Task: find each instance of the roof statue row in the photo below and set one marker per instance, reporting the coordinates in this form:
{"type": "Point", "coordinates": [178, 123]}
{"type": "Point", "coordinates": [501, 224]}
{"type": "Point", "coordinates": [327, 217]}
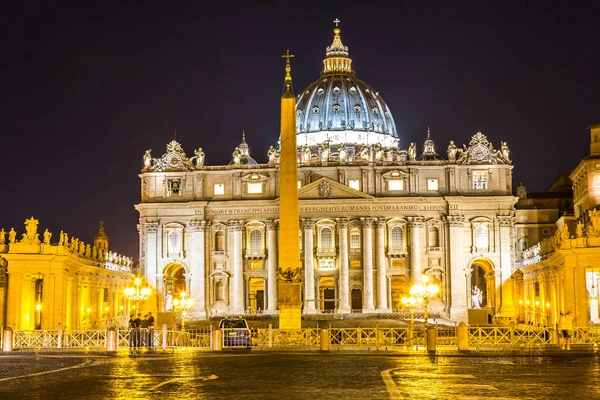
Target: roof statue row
{"type": "Point", "coordinates": [479, 151]}
{"type": "Point", "coordinates": [76, 247]}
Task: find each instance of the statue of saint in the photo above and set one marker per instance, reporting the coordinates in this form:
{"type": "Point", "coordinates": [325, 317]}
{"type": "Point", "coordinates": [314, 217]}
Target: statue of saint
{"type": "Point", "coordinates": [452, 151]}
{"type": "Point", "coordinates": [364, 153]}
{"type": "Point", "coordinates": [12, 235]}
{"type": "Point", "coordinates": [81, 248]}
{"type": "Point", "coordinates": [66, 241]}
{"type": "Point", "coordinates": [412, 152]}
{"type": "Point", "coordinates": [88, 251]}
{"type": "Point", "coordinates": [47, 236]}
{"type": "Point", "coordinates": [378, 153]}
{"type": "Point", "coordinates": [61, 238]}
{"type": "Point", "coordinates": [579, 230]}
{"type": "Point", "coordinates": [271, 155]}
{"type": "Point", "coordinates": [169, 301]}
{"type": "Point", "coordinates": [31, 226]}
{"type": "Point", "coordinates": [342, 153]}
{"type": "Point", "coordinates": [199, 157]}
{"type": "Point", "coordinates": [236, 156]}
{"type": "Point", "coordinates": [95, 253]}
{"type": "Point", "coordinates": [306, 155]}
{"type": "Point", "coordinates": [147, 159]}
{"type": "Point", "coordinates": [476, 297]}
{"type": "Point", "coordinates": [2, 236]}
{"type": "Point", "coordinates": [505, 151]}
{"type": "Point", "coordinates": [325, 152]}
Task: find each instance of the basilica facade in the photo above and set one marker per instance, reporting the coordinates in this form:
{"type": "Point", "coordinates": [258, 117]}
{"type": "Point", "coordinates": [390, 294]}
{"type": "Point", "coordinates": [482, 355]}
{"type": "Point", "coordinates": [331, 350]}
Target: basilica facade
{"type": "Point", "coordinates": [374, 217]}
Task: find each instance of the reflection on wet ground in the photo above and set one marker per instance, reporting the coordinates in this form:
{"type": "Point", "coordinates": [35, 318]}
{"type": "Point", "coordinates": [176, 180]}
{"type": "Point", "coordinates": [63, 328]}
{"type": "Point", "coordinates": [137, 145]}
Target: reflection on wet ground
{"type": "Point", "coordinates": [304, 375]}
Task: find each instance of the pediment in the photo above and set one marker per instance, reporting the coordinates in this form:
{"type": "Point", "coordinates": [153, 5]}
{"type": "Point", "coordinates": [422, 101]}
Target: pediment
{"type": "Point", "coordinates": [326, 188]}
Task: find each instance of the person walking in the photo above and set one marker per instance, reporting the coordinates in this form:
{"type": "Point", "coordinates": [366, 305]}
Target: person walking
{"type": "Point", "coordinates": [150, 330]}
{"type": "Point", "coordinates": [561, 330]}
{"type": "Point", "coordinates": [144, 331]}
{"type": "Point", "coordinates": [137, 322]}
{"type": "Point", "coordinates": [132, 327]}
{"type": "Point", "coordinates": [568, 332]}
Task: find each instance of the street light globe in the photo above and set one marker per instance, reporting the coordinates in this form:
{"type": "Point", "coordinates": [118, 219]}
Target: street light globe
{"type": "Point", "coordinates": [138, 281]}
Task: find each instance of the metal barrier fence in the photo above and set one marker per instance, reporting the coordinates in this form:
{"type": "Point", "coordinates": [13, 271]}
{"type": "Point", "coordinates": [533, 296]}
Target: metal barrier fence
{"type": "Point", "coordinates": [406, 338]}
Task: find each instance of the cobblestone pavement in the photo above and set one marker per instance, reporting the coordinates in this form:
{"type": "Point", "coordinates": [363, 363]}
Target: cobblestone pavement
{"type": "Point", "coordinates": [301, 375]}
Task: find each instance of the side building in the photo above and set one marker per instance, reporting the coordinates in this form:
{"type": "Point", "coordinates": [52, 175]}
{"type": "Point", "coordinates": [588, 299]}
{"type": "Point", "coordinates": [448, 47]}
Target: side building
{"type": "Point", "coordinates": [374, 218]}
{"type": "Point", "coordinates": [44, 284]}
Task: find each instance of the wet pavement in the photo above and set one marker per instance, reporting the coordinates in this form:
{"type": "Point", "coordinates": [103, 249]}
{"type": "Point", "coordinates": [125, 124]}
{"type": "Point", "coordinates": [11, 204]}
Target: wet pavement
{"type": "Point", "coordinates": [298, 375]}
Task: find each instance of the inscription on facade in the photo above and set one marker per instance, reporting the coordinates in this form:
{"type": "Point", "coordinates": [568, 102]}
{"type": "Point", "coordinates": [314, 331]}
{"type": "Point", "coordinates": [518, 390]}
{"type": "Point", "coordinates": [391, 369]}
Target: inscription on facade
{"type": "Point", "coordinates": [329, 208]}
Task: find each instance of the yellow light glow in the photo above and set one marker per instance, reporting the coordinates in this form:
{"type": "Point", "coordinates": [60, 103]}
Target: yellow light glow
{"type": "Point", "coordinates": [89, 310]}
{"type": "Point", "coordinates": [38, 307]}
{"type": "Point", "coordinates": [138, 281]}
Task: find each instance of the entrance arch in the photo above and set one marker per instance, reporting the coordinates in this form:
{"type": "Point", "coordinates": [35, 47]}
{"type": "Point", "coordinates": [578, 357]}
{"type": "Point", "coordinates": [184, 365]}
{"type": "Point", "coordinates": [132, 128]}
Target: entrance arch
{"type": "Point", "coordinates": [174, 281]}
{"type": "Point", "coordinates": [483, 279]}
{"type": "Point", "coordinates": [327, 294]}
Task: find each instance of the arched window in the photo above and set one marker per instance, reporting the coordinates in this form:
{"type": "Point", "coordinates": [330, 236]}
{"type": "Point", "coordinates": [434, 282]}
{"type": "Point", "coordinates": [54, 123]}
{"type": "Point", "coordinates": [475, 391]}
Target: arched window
{"type": "Point", "coordinates": [396, 240]}
{"type": "Point", "coordinates": [481, 237]}
{"type": "Point", "coordinates": [256, 240]}
{"type": "Point", "coordinates": [355, 239]}
{"type": "Point", "coordinates": [174, 246]}
{"type": "Point", "coordinates": [326, 241]}
{"type": "Point", "coordinates": [220, 241]}
{"type": "Point", "coordinates": [434, 237]}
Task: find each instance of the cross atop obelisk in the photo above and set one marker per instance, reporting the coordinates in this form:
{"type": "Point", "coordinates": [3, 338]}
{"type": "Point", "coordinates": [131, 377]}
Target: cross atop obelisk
{"type": "Point", "coordinates": [336, 22]}
{"type": "Point", "coordinates": [288, 69]}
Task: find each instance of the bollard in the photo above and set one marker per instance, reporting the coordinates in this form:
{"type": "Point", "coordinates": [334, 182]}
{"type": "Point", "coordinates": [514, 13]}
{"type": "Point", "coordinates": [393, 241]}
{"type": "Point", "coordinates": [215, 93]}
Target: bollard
{"type": "Point", "coordinates": [270, 335]}
{"type": "Point", "coordinates": [463, 337]}
{"type": "Point", "coordinates": [111, 340]}
{"type": "Point", "coordinates": [324, 340]}
{"type": "Point", "coordinates": [7, 343]}
{"type": "Point", "coordinates": [164, 336]}
{"type": "Point", "coordinates": [431, 339]}
{"type": "Point", "coordinates": [217, 340]}
{"type": "Point", "coordinates": [411, 336]}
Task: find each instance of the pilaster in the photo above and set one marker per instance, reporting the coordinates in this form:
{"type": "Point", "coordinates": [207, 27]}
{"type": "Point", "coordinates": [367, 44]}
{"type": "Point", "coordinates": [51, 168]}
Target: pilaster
{"type": "Point", "coordinates": [344, 285]}
{"type": "Point", "coordinates": [382, 296]}
{"type": "Point", "coordinates": [272, 266]}
{"type": "Point", "coordinates": [367, 224]}
{"type": "Point", "coordinates": [458, 271]}
{"type": "Point", "coordinates": [309, 274]}
{"type": "Point", "coordinates": [196, 258]}
{"type": "Point", "coordinates": [238, 266]}
{"type": "Point", "coordinates": [416, 227]}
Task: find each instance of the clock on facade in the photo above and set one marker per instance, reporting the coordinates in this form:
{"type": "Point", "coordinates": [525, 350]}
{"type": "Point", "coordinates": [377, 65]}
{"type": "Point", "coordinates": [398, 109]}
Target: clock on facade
{"type": "Point", "coordinates": [479, 152]}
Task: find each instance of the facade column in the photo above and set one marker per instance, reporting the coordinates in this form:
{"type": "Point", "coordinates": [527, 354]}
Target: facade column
{"type": "Point", "coordinates": [459, 290]}
{"type": "Point", "coordinates": [149, 256]}
{"type": "Point", "coordinates": [238, 267]}
{"type": "Point", "coordinates": [195, 253]}
{"type": "Point", "coordinates": [367, 224]}
{"type": "Point", "coordinates": [344, 284]}
{"type": "Point", "coordinates": [382, 288]}
{"type": "Point", "coordinates": [272, 266]}
{"type": "Point", "coordinates": [507, 306]}
{"type": "Point", "coordinates": [416, 227]}
{"type": "Point", "coordinates": [309, 273]}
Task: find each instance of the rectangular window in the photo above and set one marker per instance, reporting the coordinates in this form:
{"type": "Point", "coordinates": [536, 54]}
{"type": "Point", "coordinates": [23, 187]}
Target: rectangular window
{"type": "Point", "coordinates": [355, 240]}
{"type": "Point", "coordinates": [546, 232]}
{"type": "Point", "coordinates": [255, 187]}
{"type": "Point", "coordinates": [432, 184]}
{"type": "Point", "coordinates": [354, 184]}
{"type": "Point", "coordinates": [480, 180]}
{"type": "Point", "coordinates": [174, 187]}
{"type": "Point", "coordinates": [219, 189]}
{"type": "Point", "coordinates": [396, 184]}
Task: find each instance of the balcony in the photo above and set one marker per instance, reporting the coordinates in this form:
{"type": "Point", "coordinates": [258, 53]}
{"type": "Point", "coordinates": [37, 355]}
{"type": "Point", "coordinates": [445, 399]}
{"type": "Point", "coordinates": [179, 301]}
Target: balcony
{"type": "Point", "coordinates": [326, 252]}
{"type": "Point", "coordinates": [255, 254]}
{"type": "Point", "coordinates": [397, 252]}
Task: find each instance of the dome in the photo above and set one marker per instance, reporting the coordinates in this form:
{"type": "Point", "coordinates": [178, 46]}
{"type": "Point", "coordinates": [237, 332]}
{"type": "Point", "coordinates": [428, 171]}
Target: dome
{"type": "Point", "coordinates": [241, 155]}
{"type": "Point", "coordinates": [340, 108]}
{"type": "Point", "coordinates": [429, 153]}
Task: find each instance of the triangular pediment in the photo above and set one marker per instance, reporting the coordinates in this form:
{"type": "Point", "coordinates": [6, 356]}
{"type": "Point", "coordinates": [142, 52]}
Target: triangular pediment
{"type": "Point", "coordinates": [326, 188]}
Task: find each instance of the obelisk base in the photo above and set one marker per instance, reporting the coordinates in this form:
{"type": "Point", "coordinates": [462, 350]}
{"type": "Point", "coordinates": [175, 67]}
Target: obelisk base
{"type": "Point", "coordinates": [290, 305]}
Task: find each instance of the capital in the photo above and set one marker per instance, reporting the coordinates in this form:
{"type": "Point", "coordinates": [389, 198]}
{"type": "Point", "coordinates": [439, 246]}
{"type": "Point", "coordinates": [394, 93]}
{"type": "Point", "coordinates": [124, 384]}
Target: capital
{"type": "Point", "coordinates": [455, 220]}
{"type": "Point", "coordinates": [152, 227]}
{"type": "Point", "coordinates": [342, 223]}
{"type": "Point", "coordinates": [308, 223]}
{"type": "Point", "coordinates": [381, 223]}
{"type": "Point", "coordinates": [271, 223]}
{"type": "Point", "coordinates": [235, 225]}
{"type": "Point", "coordinates": [416, 221]}
{"type": "Point", "coordinates": [367, 222]}
{"type": "Point", "coordinates": [196, 226]}
{"type": "Point", "coordinates": [506, 220]}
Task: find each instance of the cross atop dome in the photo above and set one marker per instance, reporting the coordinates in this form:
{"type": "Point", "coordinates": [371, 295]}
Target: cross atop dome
{"type": "Point", "coordinates": [336, 56]}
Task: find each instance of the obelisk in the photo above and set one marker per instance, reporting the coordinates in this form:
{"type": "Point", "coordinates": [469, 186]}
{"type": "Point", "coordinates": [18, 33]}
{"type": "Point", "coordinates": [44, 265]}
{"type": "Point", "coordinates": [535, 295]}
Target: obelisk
{"type": "Point", "coordinates": [289, 276]}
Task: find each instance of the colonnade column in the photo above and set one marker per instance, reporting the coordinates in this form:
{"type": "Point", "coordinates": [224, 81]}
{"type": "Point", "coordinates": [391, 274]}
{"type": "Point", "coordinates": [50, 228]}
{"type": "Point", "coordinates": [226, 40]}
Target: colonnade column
{"type": "Point", "coordinates": [416, 225]}
{"type": "Point", "coordinates": [458, 271]}
{"type": "Point", "coordinates": [195, 253]}
{"type": "Point", "coordinates": [382, 290]}
{"type": "Point", "coordinates": [344, 284]}
{"type": "Point", "coordinates": [150, 253]}
{"type": "Point", "coordinates": [238, 267]}
{"type": "Point", "coordinates": [309, 274]}
{"type": "Point", "coordinates": [367, 224]}
{"type": "Point", "coordinates": [271, 266]}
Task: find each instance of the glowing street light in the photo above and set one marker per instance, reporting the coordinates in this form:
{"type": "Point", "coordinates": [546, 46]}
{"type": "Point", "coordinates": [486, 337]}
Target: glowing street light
{"type": "Point", "coordinates": [424, 292]}
{"type": "Point", "coordinates": [183, 304]}
{"type": "Point", "coordinates": [137, 293]}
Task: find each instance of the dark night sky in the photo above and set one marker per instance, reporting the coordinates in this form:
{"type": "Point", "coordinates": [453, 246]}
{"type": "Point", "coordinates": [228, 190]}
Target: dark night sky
{"type": "Point", "coordinates": [87, 88]}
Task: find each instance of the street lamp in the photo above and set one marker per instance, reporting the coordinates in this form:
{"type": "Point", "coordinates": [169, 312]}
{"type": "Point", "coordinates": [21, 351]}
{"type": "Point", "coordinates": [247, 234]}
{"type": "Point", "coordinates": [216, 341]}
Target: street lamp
{"type": "Point", "coordinates": [411, 302]}
{"type": "Point", "coordinates": [183, 304]}
{"type": "Point", "coordinates": [424, 292]}
{"type": "Point", "coordinates": [137, 293]}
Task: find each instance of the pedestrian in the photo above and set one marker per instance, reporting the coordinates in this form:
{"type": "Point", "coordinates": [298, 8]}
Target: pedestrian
{"type": "Point", "coordinates": [561, 330]}
{"type": "Point", "coordinates": [568, 329]}
{"type": "Point", "coordinates": [150, 330]}
{"type": "Point", "coordinates": [131, 331]}
{"type": "Point", "coordinates": [144, 330]}
{"type": "Point", "coordinates": [137, 322]}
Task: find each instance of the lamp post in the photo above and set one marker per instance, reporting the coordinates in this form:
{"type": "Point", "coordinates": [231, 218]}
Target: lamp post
{"type": "Point", "coordinates": [183, 304]}
{"type": "Point", "coordinates": [424, 291]}
{"type": "Point", "coordinates": [137, 293]}
{"type": "Point", "coordinates": [411, 302]}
